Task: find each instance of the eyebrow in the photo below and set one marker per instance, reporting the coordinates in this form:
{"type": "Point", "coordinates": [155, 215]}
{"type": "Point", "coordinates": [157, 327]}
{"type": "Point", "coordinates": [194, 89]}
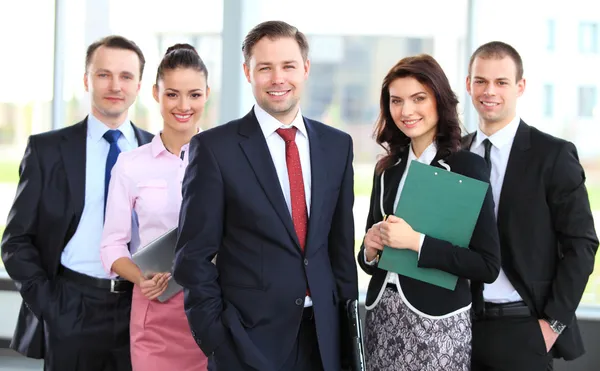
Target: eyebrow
{"type": "Point", "coordinates": [483, 78]}
{"type": "Point", "coordinates": [412, 96]}
{"type": "Point", "coordinates": [100, 70]}
{"type": "Point", "coordinates": [191, 91]}
{"type": "Point", "coordinates": [270, 63]}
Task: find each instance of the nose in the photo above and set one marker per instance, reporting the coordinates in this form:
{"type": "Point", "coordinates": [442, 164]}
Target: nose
{"type": "Point", "coordinates": [407, 109]}
{"type": "Point", "coordinates": [183, 104]}
{"type": "Point", "coordinates": [115, 85]}
{"type": "Point", "coordinates": [277, 76]}
{"type": "Point", "coordinates": [490, 90]}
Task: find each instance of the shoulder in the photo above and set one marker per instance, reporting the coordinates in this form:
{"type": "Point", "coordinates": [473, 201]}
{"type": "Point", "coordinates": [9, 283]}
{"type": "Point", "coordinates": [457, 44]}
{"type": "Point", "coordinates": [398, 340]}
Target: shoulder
{"type": "Point", "coordinates": [137, 158]}
{"type": "Point", "coordinates": [546, 142]}
{"type": "Point", "coordinates": [330, 133]}
{"type": "Point", "coordinates": [469, 164]}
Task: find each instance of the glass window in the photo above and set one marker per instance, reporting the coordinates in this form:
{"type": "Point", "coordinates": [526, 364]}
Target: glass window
{"type": "Point", "coordinates": [26, 71]}
{"type": "Point", "coordinates": [587, 101]}
{"type": "Point", "coordinates": [551, 35]}
{"type": "Point", "coordinates": [548, 100]}
{"type": "Point", "coordinates": [588, 37]}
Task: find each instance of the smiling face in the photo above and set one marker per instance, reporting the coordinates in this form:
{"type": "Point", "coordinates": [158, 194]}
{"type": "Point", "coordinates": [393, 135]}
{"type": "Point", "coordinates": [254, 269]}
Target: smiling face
{"type": "Point", "coordinates": [113, 81]}
{"type": "Point", "coordinates": [413, 109]}
{"type": "Point", "coordinates": [277, 73]}
{"type": "Point", "coordinates": [182, 95]}
{"type": "Point", "coordinates": [494, 90]}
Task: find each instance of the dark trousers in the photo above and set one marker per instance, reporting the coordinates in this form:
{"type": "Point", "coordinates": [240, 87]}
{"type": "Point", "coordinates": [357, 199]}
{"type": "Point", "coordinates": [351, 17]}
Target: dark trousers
{"type": "Point", "coordinates": [87, 329]}
{"type": "Point", "coordinates": [509, 344]}
{"type": "Point", "coordinates": [305, 355]}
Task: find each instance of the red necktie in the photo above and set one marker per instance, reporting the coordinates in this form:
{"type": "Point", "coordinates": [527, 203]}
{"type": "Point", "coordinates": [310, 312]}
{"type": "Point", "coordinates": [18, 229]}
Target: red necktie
{"type": "Point", "coordinates": [298, 199]}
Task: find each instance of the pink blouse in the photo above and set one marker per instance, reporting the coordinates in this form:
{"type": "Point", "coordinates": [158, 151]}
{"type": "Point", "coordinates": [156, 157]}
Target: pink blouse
{"type": "Point", "coordinates": [146, 180]}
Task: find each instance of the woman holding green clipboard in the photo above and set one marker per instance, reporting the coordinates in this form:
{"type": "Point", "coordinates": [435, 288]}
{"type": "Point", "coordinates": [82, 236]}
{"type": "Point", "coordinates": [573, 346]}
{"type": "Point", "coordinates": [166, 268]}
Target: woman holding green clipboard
{"type": "Point", "coordinates": [412, 324]}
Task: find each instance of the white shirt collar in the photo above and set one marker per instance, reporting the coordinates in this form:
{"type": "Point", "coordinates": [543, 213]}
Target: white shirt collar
{"type": "Point", "coordinates": [500, 138]}
{"type": "Point", "coordinates": [269, 124]}
{"type": "Point", "coordinates": [426, 157]}
{"type": "Point", "coordinates": [97, 128]}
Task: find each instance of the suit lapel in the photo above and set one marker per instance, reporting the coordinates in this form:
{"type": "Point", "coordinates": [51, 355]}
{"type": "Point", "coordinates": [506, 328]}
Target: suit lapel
{"type": "Point", "coordinates": [318, 177]}
{"type": "Point", "coordinates": [391, 181]}
{"type": "Point", "coordinates": [73, 153]}
{"type": "Point", "coordinates": [143, 137]}
{"type": "Point", "coordinates": [257, 152]}
{"type": "Point", "coordinates": [516, 170]}
{"type": "Point", "coordinates": [467, 141]}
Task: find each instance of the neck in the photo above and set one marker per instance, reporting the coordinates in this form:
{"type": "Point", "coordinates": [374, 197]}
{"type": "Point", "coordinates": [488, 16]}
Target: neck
{"type": "Point", "coordinates": [174, 140]}
{"type": "Point", "coordinates": [420, 144]}
{"type": "Point", "coordinates": [288, 117]}
{"type": "Point", "coordinates": [489, 128]}
{"type": "Point", "coordinates": [112, 122]}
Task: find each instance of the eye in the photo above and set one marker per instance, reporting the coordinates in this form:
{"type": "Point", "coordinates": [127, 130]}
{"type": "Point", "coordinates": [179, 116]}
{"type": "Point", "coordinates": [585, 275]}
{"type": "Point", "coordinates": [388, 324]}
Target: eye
{"type": "Point", "coordinates": [127, 77]}
{"type": "Point", "coordinates": [171, 95]}
{"type": "Point", "coordinates": [289, 67]}
{"type": "Point", "coordinates": [419, 98]}
{"type": "Point", "coordinates": [479, 82]}
{"type": "Point", "coordinates": [395, 101]}
{"type": "Point", "coordinates": [196, 95]}
{"type": "Point", "coordinates": [103, 75]}
{"type": "Point", "coordinates": [264, 69]}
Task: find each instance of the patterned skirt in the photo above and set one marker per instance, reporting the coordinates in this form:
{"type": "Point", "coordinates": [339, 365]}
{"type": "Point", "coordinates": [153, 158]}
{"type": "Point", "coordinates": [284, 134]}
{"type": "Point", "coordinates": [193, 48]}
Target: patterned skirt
{"type": "Point", "coordinates": [398, 339]}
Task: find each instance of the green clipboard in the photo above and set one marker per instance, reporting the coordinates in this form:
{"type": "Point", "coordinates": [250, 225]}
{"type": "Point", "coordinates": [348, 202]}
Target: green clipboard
{"type": "Point", "coordinates": [439, 204]}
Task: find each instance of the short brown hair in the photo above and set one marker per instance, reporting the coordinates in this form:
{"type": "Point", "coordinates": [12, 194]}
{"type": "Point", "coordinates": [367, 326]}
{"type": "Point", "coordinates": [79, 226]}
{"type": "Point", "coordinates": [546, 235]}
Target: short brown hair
{"type": "Point", "coordinates": [498, 50]}
{"type": "Point", "coordinates": [115, 42]}
{"type": "Point", "coordinates": [273, 30]}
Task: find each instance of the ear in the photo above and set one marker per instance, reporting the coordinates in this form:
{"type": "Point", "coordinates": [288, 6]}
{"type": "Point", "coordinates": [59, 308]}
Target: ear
{"type": "Point", "coordinates": [85, 82]}
{"type": "Point", "coordinates": [207, 94]}
{"type": "Point", "coordinates": [468, 83]}
{"type": "Point", "coordinates": [521, 87]}
{"type": "Point", "coordinates": [155, 92]}
{"type": "Point", "coordinates": [306, 68]}
{"type": "Point", "coordinates": [247, 71]}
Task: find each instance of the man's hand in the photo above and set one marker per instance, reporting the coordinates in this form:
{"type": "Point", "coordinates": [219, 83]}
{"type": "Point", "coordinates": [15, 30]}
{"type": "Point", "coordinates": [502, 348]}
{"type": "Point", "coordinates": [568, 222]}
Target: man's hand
{"type": "Point", "coordinates": [397, 233]}
{"type": "Point", "coordinates": [154, 285]}
{"type": "Point", "coordinates": [549, 335]}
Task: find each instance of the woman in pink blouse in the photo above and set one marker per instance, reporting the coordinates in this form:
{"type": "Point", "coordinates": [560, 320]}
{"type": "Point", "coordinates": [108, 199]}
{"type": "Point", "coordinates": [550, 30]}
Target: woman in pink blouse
{"type": "Point", "coordinates": [147, 180]}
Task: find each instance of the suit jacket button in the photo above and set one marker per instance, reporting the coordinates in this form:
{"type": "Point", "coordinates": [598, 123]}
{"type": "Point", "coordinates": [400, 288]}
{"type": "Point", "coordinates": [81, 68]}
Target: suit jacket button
{"type": "Point", "coordinates": [305, 261]}
{"type": "Point", "coordinates": [299, 301]}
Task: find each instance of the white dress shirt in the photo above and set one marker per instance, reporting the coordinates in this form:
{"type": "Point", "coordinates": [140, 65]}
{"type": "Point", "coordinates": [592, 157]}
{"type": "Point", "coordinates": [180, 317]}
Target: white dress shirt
{"type": "Point", "coordinates": [501, 291]}
{"type": "Point", "coordinates": [269, 125]}
{"type": "Point", "coordinates": [82, 252]}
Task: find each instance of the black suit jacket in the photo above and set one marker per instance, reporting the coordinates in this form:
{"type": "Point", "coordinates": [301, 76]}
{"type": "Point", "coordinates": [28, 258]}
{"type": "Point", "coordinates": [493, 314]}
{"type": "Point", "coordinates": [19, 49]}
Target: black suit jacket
{"type": "Point", "coordinates": [247, 308]}
{"type": "Point", "coordinates": [546, 229]}
{"type": "Point", "coordinates": [480, 262]}
{"type": "Point", "coordinates": [44, 216]}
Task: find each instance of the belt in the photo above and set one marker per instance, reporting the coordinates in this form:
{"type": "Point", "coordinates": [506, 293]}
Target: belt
{"type": "Point", "coordinates": [497, 310]}
{"type": "Point", "coordinates": [114, 286]}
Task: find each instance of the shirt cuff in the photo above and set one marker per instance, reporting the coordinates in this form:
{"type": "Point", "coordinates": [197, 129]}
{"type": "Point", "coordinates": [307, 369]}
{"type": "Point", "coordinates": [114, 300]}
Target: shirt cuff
{"type": "Point", "coordinates": [421, 240]}
{"type": "Point", "coordinates": [372, 262]}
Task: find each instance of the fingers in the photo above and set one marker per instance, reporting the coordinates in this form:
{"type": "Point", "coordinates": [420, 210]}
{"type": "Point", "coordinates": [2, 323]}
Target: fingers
{"type": "Point", "coordinates": [152, 288]}
{"type": "Point", "coordinates": [393, 219]}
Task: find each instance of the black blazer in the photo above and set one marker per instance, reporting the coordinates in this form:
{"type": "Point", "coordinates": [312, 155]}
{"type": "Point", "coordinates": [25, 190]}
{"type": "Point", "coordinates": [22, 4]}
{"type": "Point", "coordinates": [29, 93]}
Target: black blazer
{"type": "Point", "coordinates": [44, 216]}
{"type": "Point", "coordinates": [480, 262]}
{"type": "Point", "coordinates": [247, 308]}
{"type": "Point", "coordinates": [547, 230]}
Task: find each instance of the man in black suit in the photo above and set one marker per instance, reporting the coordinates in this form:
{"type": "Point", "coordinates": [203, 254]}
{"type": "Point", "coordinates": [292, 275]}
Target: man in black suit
{"type": "Point", "coordinates": [271, 194]}
{"type": "Point", "coordinates": [548, 242]}
{"type": "Point", "coordinates": [72, 315]}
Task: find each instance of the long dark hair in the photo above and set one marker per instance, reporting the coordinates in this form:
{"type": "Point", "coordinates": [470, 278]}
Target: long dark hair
{"type": "Point", "coordinates": [428, 72]}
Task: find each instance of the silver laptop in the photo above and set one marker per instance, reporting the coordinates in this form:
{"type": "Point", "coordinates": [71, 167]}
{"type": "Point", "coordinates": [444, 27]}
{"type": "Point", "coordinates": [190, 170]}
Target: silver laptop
{"type": "Point", "coordinates": [158, 257]}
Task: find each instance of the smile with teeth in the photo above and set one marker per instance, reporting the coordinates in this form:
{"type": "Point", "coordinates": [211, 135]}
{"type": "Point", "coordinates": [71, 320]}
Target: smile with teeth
{"type": "Point", "coordinates": [182, 117]}
{"type": "Point", "coordinates": [410, 123]}
{"type": "Point", "coordinates": [489, 104]}
{"type": "Point", "coordinates": [278, 93]}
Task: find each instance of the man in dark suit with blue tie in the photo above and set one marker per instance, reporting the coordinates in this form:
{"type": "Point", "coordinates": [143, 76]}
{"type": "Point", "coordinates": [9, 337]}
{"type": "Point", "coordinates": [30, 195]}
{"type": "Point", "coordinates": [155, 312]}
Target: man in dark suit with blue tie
{"type": "Point", "coordinates": [73, 315]}
{"type": "Point", "coordinates": [272, 195]}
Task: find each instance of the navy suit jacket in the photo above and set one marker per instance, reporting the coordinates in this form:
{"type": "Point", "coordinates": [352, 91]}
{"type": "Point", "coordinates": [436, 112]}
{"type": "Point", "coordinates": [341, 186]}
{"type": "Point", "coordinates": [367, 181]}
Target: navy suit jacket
{"type": "Point", "coordinates": [246, 309]}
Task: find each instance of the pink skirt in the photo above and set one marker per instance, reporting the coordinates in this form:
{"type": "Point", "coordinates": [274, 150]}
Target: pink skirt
{"type": "Point", "coordinates": [160, 336]}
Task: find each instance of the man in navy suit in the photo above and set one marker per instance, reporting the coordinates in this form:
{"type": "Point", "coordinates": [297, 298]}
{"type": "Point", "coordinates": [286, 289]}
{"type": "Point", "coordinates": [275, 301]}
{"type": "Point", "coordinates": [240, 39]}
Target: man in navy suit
{"type": "Point", "coordinates": [272, 195]}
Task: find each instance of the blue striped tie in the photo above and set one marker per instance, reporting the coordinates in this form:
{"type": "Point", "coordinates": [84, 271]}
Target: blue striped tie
{"type": "Point", "coordinates": [111, 136]}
